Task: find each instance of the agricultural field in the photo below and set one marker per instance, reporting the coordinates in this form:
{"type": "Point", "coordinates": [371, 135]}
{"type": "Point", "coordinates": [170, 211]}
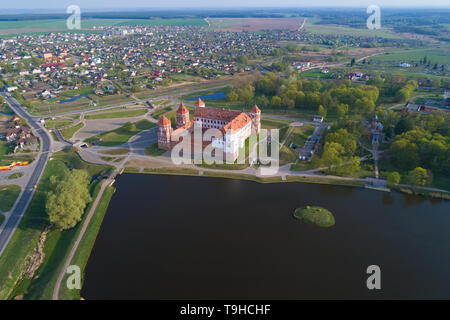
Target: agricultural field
{"type": "Point", "coordinates": [435, 55]}
{"type": "Point", "coordinates": [255, 24]}
{"type": "Point", "coordinates": [346, 31]}
{"type": "Point", "coordinates": [31, 26]}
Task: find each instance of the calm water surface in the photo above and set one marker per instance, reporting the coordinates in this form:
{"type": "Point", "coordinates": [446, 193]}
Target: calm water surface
{"type": "Point", "coordinates": [174, 237]}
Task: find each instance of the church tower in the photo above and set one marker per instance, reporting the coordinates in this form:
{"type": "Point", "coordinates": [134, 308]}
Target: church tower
{"type": "Point", "coordinates": [182, 116]}
{"type": "Point", "coordinates": [199, 103]}
{"type": "Point", "coordinates": [164, 133]}
{"type": "Point", "coordinates": [255, 114]}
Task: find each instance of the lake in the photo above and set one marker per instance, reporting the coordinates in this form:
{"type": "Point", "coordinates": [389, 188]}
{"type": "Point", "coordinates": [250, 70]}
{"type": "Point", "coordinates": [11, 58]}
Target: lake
{"type": "Point", "coordinates": [175, 237]}
{"type": "Point", "coordinates": [211, 96]}
{"type": "Point", "coordinates": [75, 98]}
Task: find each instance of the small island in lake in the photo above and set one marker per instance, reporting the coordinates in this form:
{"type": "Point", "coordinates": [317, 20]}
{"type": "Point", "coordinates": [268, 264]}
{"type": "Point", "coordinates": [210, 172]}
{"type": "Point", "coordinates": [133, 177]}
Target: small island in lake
{"type": "Point", "coordinates": [315, 215]}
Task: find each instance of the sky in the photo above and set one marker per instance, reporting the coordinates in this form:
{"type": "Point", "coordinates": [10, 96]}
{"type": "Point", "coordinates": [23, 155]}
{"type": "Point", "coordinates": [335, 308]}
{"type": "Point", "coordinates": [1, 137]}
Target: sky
{"type": "Point", "coordinates": [94, 4]}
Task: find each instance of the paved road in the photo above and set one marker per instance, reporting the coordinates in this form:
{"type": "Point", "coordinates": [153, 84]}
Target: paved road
{"type": "Point", "coordinates": [26, 195]}
{"type": "Point", "coordinates": [311, 143]}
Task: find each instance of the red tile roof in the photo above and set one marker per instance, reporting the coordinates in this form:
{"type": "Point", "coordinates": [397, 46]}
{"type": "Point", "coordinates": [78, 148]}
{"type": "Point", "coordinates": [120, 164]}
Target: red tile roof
{"type": "Point", "coordinates": [237, 123]}
{"type": "Point", "coordinates": [216, 114]}
{"type": "Point", "coordinates": [255, 109]}
{"type": "Point", "coordinates": [199, 102]}
{"type": "Point", "coordinates": [182, 109]}
{"type": "Point", "coordinates": [164, 121]}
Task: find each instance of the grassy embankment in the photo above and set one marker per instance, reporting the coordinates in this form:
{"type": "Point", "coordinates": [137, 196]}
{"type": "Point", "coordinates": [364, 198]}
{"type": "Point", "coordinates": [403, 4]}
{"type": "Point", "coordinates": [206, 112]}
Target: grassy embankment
{"type": "Point", "coordinates": [15, 258]}
{"type": "Point", "coordinates": [8, 196]}
{"type": "Point", "coordinates": [316, 215]}
{"type": "Point", "coordinates": [119, 114]}
{"type": "Point", "coordinates": [87, 243]}
{"type": "Point", "coordinates": [57, 123]}
{"type": "Point", "coordinates": [120, 151]}
{"type": "Point", "coordinates": [120, 135]}
{"type": "Point", "coordinates": [70, 131]}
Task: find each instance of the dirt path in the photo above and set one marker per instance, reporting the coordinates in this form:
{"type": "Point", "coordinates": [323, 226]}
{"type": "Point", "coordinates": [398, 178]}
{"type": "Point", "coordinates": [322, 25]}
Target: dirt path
{"type": "Point", "coordinates": [74, 249]}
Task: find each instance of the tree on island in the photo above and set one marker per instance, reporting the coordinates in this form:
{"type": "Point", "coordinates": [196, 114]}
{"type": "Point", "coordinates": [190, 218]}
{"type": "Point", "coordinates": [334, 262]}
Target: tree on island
{"type": "Point", "coordinates": [68, 198]}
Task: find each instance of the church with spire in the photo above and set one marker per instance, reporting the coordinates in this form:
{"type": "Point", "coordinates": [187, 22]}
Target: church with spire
{"type": "Point", "coordinates": [235, 126]}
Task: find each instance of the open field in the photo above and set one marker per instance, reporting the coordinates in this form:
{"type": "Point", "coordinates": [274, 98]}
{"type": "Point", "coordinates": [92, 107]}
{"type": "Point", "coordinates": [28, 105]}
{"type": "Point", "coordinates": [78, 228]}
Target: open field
{"type": "Point", "coordinates": [119, 114]}
{"type": "Point", "coordinates": [69, 132]}
{"type": "Point", "coordinates": [120, 135]}
{"type": "Point", "coordinates": [340, 30]}
{"type": "Point", "coordinates": [8, 196]}
{"type": "Point", "coordinates": [435, 55]}
{"type": "Point", "coordinates": [255, 24]}
{"type": "Point", "coordinates": [27, 26]}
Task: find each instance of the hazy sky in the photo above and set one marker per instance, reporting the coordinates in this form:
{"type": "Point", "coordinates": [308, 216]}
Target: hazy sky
{"type": "Point", "coordinates": [60, 4]}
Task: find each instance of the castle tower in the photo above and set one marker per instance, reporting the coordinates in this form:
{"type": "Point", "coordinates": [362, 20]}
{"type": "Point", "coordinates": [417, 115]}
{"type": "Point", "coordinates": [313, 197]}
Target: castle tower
{"type": "Point", "coordinates": [164, 133]}
{"type": "Point", "coordinates": [182, 116]}
{"type": "Point", "coordinates": [255, 114]}
{"type": "Point", "coordinates": [199, 103]}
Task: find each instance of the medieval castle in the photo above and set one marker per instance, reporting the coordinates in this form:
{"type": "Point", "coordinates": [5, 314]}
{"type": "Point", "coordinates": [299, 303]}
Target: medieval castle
{"type": "Point", "coordinates": [235, 126]}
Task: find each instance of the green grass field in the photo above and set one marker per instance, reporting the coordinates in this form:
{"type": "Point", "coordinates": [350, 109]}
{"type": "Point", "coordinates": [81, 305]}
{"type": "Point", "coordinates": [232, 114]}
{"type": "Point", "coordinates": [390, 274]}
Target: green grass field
{"type": "Point", "coordinates": [57, 123]}
{"type": "Point", "coordinates": [435, 55]}
{"type": "Point", "coordinates": [120, 135]}
{"type": "Point", "coordinates": [340, 30]}
{"type": "Point", "coordinates": [70, 131]}
{"type": "Point", "coordinates": [24, 240]}
{"type": "Point", "coordinates": [299, 135]}
{"type": "Point", "coordinates": [2, 219]}
{"type": "Point", "coordinates": [158, 113]}
{"type": "Point", "coordinates": [5, 148]}
{"type": "Point", "coordinates": [119, 114]}
{"type": "Point", "coordinates": [8, 196]}
{"type": "Point", "coordinates": [153, 150]}
{"type": "Point", "coordinates": [120, 151]}
{"type": "Point", "coordinates": [60, 24]}
{"type": "Point", "coordinates": [267, 123]}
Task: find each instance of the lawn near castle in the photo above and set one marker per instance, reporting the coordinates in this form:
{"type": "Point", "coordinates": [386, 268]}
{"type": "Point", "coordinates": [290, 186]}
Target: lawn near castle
{"type": "Point", "coordinates": [120, 135]}
{"type": "Point", "coordinates": [316, 215]}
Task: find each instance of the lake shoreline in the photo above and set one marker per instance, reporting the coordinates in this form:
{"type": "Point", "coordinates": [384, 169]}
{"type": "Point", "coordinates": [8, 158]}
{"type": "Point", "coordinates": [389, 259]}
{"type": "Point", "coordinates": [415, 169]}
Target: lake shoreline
{"type": "Point", "coordinates": [337, 181]}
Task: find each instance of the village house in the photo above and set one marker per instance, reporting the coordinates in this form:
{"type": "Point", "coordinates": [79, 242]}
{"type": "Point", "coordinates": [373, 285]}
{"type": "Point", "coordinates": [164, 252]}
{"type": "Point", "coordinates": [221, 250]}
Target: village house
{"type": "Point", "coordinates": [18, 133]}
